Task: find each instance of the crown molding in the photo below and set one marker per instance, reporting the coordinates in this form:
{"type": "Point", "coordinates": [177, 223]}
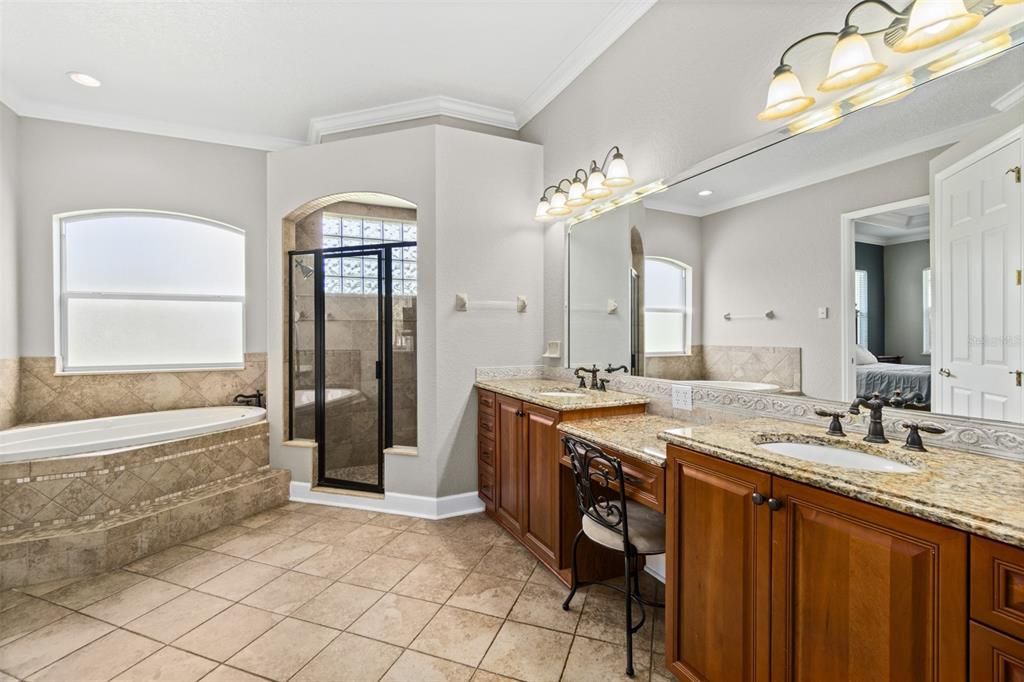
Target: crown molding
{"type": "Point", "coordinates": [407, 111]}
{"type": "Point", "coordinates": [29, 108]}
{"type": "Point", "coordinates": [1009, 99]}
{"type": "Point", "coordinates": [617, 22]}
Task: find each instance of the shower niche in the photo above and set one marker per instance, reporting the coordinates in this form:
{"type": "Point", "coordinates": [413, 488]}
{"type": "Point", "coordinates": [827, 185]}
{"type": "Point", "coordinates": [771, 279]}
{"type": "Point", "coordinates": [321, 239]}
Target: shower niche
{"type": "Point", "coordinates": [352, 339]}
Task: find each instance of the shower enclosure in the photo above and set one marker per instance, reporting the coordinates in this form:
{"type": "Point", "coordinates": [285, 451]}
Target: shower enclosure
{"type": "Point", "coordinates": [351, 350]}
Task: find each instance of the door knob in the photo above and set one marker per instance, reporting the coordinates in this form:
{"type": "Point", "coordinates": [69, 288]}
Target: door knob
{"type": "Point", "coordinates": [945, 372]}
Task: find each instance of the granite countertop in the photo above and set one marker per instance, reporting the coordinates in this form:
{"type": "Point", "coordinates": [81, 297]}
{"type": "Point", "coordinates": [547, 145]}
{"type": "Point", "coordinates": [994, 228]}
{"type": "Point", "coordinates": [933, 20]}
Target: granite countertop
{"type": "Point", "coordinates": [975, 493]}
{"type": "Point", "coordinates": [635, 435]}
{"type": "Point", "coordinates": [530, 390]}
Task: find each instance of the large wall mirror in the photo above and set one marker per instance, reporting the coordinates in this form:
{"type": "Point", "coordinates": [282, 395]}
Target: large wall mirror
{"type": "Point", "coordinates": [880, 253]}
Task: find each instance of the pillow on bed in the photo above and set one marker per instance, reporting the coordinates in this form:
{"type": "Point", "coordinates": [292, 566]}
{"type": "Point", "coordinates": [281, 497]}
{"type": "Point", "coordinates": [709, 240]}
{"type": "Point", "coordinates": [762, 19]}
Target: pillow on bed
{"type": "Point", "coordinates": [864, 356]}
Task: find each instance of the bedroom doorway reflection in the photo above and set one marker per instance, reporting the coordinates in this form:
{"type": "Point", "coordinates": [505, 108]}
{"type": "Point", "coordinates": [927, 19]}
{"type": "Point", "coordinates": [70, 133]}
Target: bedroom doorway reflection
{"type": "Point", "coordinates": [887, 325]}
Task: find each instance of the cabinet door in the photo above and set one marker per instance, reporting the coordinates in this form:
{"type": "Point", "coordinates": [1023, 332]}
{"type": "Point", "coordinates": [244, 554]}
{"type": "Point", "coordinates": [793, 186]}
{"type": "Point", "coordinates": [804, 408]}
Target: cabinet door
{"type": "Point", "coordinates": [717, 625]}
{"type": "Point", "coordinates": [995, 657]}
{"type": "Point", "coordinates": [541, 457]}
{"type": "Point", "coordinates": [864, 593]}
{"type": "Point", "coordinates": [508, 470]}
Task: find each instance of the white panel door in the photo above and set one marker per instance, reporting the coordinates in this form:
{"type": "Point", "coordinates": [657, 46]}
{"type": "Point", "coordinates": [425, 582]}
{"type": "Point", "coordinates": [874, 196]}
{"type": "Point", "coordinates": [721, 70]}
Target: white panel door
{"type": "Point", "coordinates": [981, 311]}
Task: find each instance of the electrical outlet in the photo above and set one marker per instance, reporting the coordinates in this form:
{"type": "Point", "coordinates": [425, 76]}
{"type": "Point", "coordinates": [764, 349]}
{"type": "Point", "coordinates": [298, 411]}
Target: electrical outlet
{"type": "Point", "coordinates": [682, 397]}
{"type": "Point", "coordinates": [823, 313]}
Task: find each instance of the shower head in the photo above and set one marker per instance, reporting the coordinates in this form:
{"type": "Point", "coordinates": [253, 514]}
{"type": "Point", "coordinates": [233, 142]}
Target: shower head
{"type": "Point", "coordinates": [306, 271]}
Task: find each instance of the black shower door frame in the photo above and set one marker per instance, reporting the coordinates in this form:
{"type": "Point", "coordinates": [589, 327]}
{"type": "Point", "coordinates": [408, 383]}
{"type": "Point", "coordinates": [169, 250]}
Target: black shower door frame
{"type": "Point", "coordinates": [385, 332]}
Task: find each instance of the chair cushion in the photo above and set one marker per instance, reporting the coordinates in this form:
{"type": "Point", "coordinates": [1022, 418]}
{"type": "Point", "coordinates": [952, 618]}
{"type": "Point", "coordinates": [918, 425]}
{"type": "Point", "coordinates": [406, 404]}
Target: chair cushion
{"type": "Point", "coordinates": [646, 530]}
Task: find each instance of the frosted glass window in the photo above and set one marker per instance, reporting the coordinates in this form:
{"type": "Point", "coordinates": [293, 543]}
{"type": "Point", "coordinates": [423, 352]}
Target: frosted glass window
{"type": "Point", "coordinates": [148, 291]}
{"type": "Point", "coordinates": [363, 231]}
{"type": "Point", "coordinates": [667, 298]}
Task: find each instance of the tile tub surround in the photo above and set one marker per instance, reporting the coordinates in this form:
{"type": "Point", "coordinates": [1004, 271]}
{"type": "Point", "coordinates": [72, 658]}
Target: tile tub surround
{"type": "Point", "coordinates": [9, 389]}
{"type": "Point", "coordinates": [530, 390]}
{"type": "Point", "coordinates": [977, 494]}
{"type": "Point", "coordinates": [466, 604]}
{"type": "Point", "coordinates": [45, 397]}
{"type": "Point", "coordinates": [637, 436]}
{"type": "Point", "coordinates": [62, 490]}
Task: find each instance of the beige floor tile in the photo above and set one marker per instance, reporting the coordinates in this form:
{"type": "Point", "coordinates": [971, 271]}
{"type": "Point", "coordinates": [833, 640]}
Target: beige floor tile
{"type": "Point", "coordinates": [508, 562]}
{"type": "Point", "coordinates": [590, 659]}
{"type": "Point", "coordinates": [458, 554]}
{"type": "Point", "coordinates": [289, 524]}
{"type": "Point", "coordinates": [414, 546]}
{"type": "Point", "coordinates": [80, 594]}
{"type": "Point", "coordinates": [368, 538]}
{"type": "Point", "coordinates": [37, 650]}
{"type": "Point", "coordinates": [287, 592]}
{"type": "Point", "coordinates": [249, 545]}
{"type": "Point", "coordinates": [329, 531]}
{"type": "Point", "coordinates": [103, 659]}
{"type": "Point", "coordinates": [432, 582]}
{"type": "Point", "coordinates": [442, 527]}
{"type": "Point", "coordinates": [540, 604]}
{"type": "Point", "coordinates": [228, 674]}
{"type": "Point", "coordinates": [604, 618]}
{"type": "Point", "coordinates": [422, 668]}
{"type": "Point", "coordinates": [240, 581]}
{"type": "Point", "coordinates": [129, 604]}
{"type": "Point", "coordinates": [395, 619]}
{"type": "Point", "coordinates": [332, 562]}
{"type": "Point", "coordinates": [161, 561]}
{"type": "Point", "coordinates": [30, 614]}
{"type": "Point", "coordinates": [228, 632]}
{"type": "Point", "coordinates": [284, 649]}
{"type": "Point", "coordinates": [379, 572]}
{"type": "Point", "coordinates": [487, 594]}
{"type": "Point", "coordinates": [339, 605]}
{"type": "Point", "coordinates": [289, 553]}
{"type": "Point", "coordinates": [263, 518]}
{"type": "Point", "coordinates": [458, 635]}
{"type": "Point", "coordinates": [352, 658]}
{"type": "Point", "coordinates": [217, 537]}
{"type": "Point", "coordinates": [528, 653]}
{"type": "Point", "coordinates": [199, 569]}
{"type": "Point", "coordinates": [396, 521]}
{"type": "Point", "coordinates": [168, 665]}
{"type": "Point", "coordinates": [172, 620]}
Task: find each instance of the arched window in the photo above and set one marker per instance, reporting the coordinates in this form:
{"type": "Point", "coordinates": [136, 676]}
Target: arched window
{"type": "Point", "coordinates": [148, 290]}
{"type": "Point", "coordinates": [667, 306]}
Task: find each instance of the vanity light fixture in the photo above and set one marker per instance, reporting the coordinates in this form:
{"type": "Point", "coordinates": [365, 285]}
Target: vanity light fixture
{"type": "Point", "coordinates": [84, 79]}
{"type": "Point", "coordinates": [584, 187]}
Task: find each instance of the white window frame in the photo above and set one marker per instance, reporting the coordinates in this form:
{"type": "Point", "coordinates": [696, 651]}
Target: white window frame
{"type": "Point", "coordinates": [61, 296]}
{"type": "Point", "coordinates": [686, 310]}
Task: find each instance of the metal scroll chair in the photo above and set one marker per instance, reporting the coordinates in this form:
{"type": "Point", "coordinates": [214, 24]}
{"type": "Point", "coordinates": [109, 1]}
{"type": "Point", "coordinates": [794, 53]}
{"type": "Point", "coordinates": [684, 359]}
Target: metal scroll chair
{"type": "Point", "coordinates": [612, 521]}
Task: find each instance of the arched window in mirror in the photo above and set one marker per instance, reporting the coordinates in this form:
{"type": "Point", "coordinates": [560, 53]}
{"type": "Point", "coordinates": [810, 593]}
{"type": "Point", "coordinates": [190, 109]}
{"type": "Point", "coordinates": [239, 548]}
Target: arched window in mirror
{"type": "Point", "coordinates": [667, 307]}
{"type": "Point", "coordinates": [148, 291]}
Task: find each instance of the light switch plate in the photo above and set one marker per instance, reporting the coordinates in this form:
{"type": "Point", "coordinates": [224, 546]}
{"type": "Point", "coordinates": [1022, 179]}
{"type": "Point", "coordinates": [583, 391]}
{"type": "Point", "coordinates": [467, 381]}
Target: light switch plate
{"type": "Point", "coordinates": [682, 397]}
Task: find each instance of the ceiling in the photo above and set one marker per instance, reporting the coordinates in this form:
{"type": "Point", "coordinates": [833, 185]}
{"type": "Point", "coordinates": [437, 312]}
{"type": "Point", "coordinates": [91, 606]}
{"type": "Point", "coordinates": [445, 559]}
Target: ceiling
{"type": "Point", "coordinates": [256, 73]}
{"type": "Point", "coordinates": [901, 225]}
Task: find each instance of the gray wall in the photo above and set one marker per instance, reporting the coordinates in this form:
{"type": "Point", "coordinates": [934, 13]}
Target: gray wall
{"type": "Point", "coordinates": [67, 167]}
{"type": "Point", "coordinates": [904, 313]}
{"type": "Point", "coordinates": [871, 259]}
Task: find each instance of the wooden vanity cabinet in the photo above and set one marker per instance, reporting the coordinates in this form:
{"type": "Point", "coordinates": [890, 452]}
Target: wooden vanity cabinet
{"type": "Point", "coordinates": [797, 583]}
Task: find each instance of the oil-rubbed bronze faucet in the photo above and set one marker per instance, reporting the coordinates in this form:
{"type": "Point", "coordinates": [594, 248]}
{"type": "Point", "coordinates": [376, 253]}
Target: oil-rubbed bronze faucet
{"type": "Point", "coordinates": [876, 430]}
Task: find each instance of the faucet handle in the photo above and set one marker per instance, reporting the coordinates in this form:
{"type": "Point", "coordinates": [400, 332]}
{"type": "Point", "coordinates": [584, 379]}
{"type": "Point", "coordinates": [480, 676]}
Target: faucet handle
{"type": "Point", "coordinates": [835, 427]}
{"type": "Point", "coordinates": [914, 441]}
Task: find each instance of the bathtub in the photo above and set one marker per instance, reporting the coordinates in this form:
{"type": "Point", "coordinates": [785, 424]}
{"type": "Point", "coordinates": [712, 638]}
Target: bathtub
{"type": "Point", "coordinates": [736, 386]}
{"type": "Point", "coordinates": [113, 433]}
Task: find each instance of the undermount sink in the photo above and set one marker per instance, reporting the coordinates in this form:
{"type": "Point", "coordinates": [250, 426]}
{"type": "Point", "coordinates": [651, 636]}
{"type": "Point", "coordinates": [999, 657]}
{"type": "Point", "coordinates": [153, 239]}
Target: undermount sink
{"type": "Point", "coordinates": [838, 457]}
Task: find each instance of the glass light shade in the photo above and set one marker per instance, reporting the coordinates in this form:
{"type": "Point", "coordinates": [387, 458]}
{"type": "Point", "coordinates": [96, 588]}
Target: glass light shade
{"type": "Point", "coordinates": [542, 211]}
{"type": "Point", "coordinates": [936, 21]}
{"type": "Point", "coordinates": [595, 186]}
{"type": "Point", "coordinates": [558, 207]}
{"type": "Point", "coordinates": [618, 173]}
{"type": "Point", "coordinates": [577, 195]}
{"type": "Point", "coordinates": [785, 96]}
{"type": "Point", "coordinates": [852, 63]}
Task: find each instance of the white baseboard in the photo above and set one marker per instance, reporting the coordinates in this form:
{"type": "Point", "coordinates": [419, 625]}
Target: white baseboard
{"type": "Point", "coordinates": [393, 503]}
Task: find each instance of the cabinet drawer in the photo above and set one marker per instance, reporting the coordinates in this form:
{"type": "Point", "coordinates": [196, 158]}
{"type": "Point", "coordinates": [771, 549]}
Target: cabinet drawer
{"type": "Point", "coordinates": [994, 656]}
{"type": "Point", "coordinates": [485, 451]}
{"type": "Point", "coordinates": [487, 424]}
{"type": "Point", "coordinates": [486, 401]}
{"type": "Point", "coordinates": [644, 483]}
{"type": "Point", "coordinates": [485, 481]}
{"type": "Point", "coordinates": [997, 585]}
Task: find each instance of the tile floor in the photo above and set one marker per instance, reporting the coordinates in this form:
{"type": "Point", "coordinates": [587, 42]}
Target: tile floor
{"type": "Point", "coordinates": [314, 593]}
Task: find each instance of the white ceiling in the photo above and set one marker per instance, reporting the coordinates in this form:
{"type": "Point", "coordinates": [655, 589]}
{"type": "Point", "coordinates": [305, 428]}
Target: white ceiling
{"type": "Point", "coordinates": [256, 73]}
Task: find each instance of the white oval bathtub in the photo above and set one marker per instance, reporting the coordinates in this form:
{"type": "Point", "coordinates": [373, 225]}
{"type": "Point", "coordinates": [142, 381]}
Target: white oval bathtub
{"type": "Point", "coordinates": [112, 433]}
{"type": "Point", "coordinates": [736, 386]}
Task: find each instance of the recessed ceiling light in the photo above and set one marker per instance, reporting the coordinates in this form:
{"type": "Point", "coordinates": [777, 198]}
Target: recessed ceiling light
{"type": "Point", "coordinates": [705, 193]}
{"type": "Point", "coordinates": [84, 79]}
